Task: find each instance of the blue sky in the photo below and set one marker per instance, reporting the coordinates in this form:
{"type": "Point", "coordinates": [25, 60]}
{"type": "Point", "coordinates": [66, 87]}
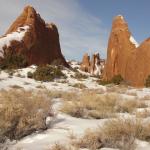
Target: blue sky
{"type": "Point", "coordinates": [84, 25]}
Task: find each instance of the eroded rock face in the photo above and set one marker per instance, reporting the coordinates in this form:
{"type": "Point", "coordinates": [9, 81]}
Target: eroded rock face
{"type": "Point", "coordinates": [120, 47]}
{"type": "Point", "coordinates": [85, 64]}
{"type": "Point", "coordinates": [93, 66]}
{"type": "Point", "coordinates": [125, 56]}
{"type": "Point", "coordinates": [138, 67]}
{"type": "Point", "coordinates": [32, 37]}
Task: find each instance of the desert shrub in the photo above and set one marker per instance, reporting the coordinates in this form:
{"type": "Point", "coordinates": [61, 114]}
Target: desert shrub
{"type": "Point", "coordinates": [61, 147]}
{"type": "Point", "coordinates": [23, 112]}
{"type": "Point", "coordinates": [90, 140]}
{"type": "Point", "coordinates": [147, 81]}
{"type": "Point", "coordinates": [79, 85]}
{"type": "Point", "coordinates": [142, 114]}
{"type": "Point", "coordinates": [103, 82]}
{"type": "Point", "coordinates": [47, 73]}
{"type": "Point", "coordinates": [13, 61]}
{"type": "Point", "coordinates": [16, 87]}
{"type": "Point", "coordinates": [117, 79]}
{"type": "Point", "coordinates": [30, 75]}
{"type": "Point", "coordinates": [90, 105]}
{"type": "Point", "coordinates": [121, 133]}
{"type": "Point", "coordinates": [79, 76]}
{"type": "Point", "coordinates": [115, 133]}
{"type": "Point", "coordinates": [129, 105]}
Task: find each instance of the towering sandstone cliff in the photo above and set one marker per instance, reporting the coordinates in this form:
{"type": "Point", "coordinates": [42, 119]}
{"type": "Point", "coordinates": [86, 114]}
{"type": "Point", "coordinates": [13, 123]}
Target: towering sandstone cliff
{"type": "Point", "coordinates": [138, 67]}
{"type": "Point", "coordinates": [120, 46]}
{"type": "Point", "coordinates": [31, 36]}
{"type": "Point", "coordinates": [125, 57]}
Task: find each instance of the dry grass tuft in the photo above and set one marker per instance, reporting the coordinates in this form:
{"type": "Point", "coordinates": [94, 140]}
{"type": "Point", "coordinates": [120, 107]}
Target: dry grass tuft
{"type": "Point", "coordinates": [129, 105]}
{"type": "Point", "coordinates": [62, 147]}
{"type": "Point", "coordinates": [116, 133]}
{"type": "Point", "coordinates": [23, 112]}
{"type": "Point", "coordinates": [142, 114]}
{"type": "Point", "coordinates": [79, 85]}
{"type": "Point", "coordinates": [90, 105]}
{"type": "Point", "coordinates": [91, 140]}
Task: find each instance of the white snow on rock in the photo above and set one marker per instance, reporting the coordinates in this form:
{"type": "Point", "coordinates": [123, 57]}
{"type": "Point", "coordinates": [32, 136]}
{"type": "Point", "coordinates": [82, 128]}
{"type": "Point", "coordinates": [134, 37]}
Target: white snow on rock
{"type": "Point", "coordinates": [121, 17]}
{"type": "Point", "coordinates": [132, 40]}
{"type": "Point", "coordinates": [17, 36]}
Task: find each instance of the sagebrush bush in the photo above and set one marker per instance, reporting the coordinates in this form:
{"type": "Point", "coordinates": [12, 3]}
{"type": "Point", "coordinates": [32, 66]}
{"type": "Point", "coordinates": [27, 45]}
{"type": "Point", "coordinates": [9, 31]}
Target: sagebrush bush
{"type": "Point", "coordinates": [147, 81]}
{"type": "Point", "coordinates": [90, 105]}
{"type": "Point", "coordinates": [14, 61]}
{"type": "Point", "coordinates": [47, 73]}
{"type": "Point", "coordinates": [79, 85]}
{"type": "Point", "coordinates": [62, 147]}
{"type": "Point", "coordinates": [117, 79]}
{"type": "Point", "coordinates": [23, 112]}
{"type": "Point", "coordinates": [90, 140]}
{"type": "Point", "coordinates": [30, 75]}
{"type": "Point", "coordinates": [103, 82]}
{"type": "Point", "coordinates": [79, 76]}
{"type": "Point", "coordinates": [129, 105]}
{"type": "Point", "coordinates": [115, 133]}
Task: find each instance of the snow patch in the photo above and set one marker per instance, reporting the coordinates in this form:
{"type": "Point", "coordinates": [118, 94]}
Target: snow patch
{"type": "Point", "coordinates": [17, 36]}
{"type": "Point", "coordinates": [132, 40]}
{"type": "Point", "coordinates": [121, 17]}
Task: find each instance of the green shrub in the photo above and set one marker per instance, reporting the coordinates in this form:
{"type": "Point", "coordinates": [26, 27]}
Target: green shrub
{"type": "Point", "coordinates": [79, 85]}
{"type": "Point", "coordinates": [103, 82]}
{"type": "Point", "coordinates": [79, 75]}
{"type": "Point", "coordinates": [117, 79]}
{"type": "Point", "coordinates": [13, 62]}
{"type": "Point", "coordinates": [30, 75]}
{"type": "Point", "coordinates": [147, 81]}
{"type": "Point", "coordinates": [48, 73]}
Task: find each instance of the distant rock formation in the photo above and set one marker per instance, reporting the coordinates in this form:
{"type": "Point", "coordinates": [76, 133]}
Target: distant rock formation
{"type": "Point", "coordinates": [31, 36]}
{"type": "Point", "coordinates": [119, 49]}
{"type": "Point", "coordinates": [94, 66]}
{"type": "Point", "coordinates": [85, 65]}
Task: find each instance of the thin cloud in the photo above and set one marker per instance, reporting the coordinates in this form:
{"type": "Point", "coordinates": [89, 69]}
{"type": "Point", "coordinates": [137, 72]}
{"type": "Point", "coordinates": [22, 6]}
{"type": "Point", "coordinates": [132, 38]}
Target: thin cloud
{"type": "Point", "coordinates": [79, 30]}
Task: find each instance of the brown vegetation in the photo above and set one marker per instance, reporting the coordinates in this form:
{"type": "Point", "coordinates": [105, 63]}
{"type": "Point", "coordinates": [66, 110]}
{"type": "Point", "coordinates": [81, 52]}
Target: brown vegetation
{"type": "Point", "coordinates": [23, 112]}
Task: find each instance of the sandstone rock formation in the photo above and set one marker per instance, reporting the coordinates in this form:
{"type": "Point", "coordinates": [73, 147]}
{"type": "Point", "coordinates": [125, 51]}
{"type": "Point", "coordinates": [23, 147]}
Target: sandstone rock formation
{"type": "Point", "coordinates": [32, 37]}
{"type": "Point", "coordinates": [125, 57]}
{"type": "Point", "coordinates": [85, 65]}
{"type": "Point", "coordinates": [138, 67]}
{"type": "Point", "coordinates": [93, 66]}
{"type": "Point", "coordinates": [120, 47]}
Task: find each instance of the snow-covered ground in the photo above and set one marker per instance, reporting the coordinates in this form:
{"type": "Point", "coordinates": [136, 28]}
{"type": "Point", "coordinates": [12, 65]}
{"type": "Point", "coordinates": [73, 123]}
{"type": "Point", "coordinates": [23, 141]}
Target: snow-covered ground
{"type": "Point", "coordinates": [63, 125]}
